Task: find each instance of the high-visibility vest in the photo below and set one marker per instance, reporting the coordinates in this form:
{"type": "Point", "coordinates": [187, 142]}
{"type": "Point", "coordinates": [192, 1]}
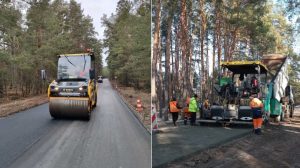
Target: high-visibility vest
{"type": "Point", "coordinates": [173, 107]}
{"type": "Point", "coordinates": [255, 103]}
{"type": "Point", "coordinates": [193, 107]}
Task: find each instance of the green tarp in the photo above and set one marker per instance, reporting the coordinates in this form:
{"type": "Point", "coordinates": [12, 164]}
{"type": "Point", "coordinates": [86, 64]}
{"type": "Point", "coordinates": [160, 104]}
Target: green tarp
{"type": "Point", "coordinates": [267, 100]}
{"type": "Point", "coordinates": [276, 108]}
{"type": "Point", "coordinates": [271, 104]}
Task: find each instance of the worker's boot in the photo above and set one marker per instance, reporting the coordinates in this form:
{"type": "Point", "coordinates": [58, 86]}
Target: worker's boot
{"type": "Point", "coordinates": [185, 121]}
{"type": "Point", "coordinates": [259, 131]}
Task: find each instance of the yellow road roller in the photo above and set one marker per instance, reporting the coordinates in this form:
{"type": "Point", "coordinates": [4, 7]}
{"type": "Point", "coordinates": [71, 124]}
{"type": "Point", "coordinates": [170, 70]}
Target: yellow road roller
{"type": "Point", "coordinates": [74, 93]}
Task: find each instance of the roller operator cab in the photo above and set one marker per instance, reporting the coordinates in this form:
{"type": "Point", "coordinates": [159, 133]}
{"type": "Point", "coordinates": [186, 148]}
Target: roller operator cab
{"type": "Point", "coordinates": [74, 93]}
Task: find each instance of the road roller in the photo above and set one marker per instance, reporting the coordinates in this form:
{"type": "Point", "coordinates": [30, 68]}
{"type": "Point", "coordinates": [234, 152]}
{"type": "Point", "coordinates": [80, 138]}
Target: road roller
{"type": "Point", "coordinates": [74, 93]}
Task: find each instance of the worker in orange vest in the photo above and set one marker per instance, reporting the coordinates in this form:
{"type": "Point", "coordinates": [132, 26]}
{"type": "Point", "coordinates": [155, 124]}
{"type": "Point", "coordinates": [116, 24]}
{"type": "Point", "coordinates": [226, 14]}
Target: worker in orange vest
{"type": "Point", "coordinates": [174, 110]}
{"type": "Point", "coordinates": [256, 106]}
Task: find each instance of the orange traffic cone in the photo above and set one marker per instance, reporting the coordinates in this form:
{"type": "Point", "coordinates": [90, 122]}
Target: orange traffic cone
{"type": "Point", "coordinates": [139, 106]}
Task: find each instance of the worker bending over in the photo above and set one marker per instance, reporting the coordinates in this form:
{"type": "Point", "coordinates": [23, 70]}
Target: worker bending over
{"type": "Point", "coordinates": [256, 106]}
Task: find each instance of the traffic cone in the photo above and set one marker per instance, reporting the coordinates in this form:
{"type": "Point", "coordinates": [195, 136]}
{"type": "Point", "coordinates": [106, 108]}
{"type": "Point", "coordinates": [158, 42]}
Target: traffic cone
{"type": "Point", "coordinates": [139, 106]}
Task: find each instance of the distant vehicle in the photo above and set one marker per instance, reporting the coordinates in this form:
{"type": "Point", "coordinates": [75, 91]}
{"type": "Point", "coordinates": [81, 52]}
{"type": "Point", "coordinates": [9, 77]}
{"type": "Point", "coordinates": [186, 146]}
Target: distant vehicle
{"type": "Point", "coordinates": [100, 80]}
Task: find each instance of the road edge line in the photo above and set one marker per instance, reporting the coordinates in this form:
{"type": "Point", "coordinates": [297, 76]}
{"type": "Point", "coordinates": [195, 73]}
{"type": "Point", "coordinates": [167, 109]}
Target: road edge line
{"type": "Point", "coordinates": [132, 110]}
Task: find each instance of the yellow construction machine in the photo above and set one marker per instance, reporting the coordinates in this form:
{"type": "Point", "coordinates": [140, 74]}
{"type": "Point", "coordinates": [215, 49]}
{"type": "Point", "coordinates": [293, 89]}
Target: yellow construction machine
{"type": "Point", "coordinates": [74, 93]}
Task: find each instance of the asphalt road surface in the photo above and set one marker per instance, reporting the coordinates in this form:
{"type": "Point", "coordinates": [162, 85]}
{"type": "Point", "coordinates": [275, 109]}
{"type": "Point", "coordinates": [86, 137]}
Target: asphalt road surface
{"type": "Point", "coordinates": [113, 138]}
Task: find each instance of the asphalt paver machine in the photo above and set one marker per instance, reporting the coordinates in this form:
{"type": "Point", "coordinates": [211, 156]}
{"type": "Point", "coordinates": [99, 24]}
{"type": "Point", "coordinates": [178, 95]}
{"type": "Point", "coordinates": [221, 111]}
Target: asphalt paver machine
{"type": "Point", "coordinates": [242, 79]}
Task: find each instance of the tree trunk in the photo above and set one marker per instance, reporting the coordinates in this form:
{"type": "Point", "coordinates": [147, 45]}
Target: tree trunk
{"type": "Point", "coordinates": [168, 55]}
{"type": "Point", "coordinates": [160, 84]}
{"type": "Point", "coordinates": [184, 48]}
{"type": "Point", "coordinates": [207, 88]}
{"type": "Point", "coordinates": [202, 39]}
{"type": "Point", "coordinates": [155, 55]}
{"type": "Point", "coordinates": [176, 60]}
{"type": "Point", "coordinates": [213, 65]}
{"type": "Point", "coordinates": [218, 35]}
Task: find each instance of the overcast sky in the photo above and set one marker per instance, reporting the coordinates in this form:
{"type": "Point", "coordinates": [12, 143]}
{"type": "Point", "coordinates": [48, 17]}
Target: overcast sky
{"type": "Point", "coordinates": [96, 9]}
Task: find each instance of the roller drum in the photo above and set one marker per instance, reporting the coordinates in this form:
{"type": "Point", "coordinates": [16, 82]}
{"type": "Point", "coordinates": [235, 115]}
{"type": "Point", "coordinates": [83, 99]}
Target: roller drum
{"type": "Point", "coordinates": [69, 107]}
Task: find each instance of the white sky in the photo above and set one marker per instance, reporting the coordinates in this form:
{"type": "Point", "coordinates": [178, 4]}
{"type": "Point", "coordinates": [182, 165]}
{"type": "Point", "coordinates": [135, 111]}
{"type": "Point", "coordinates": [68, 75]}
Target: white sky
{"type": "Point", "coordinates": [96, 9]}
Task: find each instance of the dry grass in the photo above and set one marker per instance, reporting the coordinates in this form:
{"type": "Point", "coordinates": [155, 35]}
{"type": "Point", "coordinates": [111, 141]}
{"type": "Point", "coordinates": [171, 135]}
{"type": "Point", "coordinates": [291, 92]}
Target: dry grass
{"type": "Point", "coordinates": [13, 106]}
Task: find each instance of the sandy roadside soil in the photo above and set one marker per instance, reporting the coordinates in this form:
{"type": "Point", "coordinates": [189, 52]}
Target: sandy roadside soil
{"type": "Point", "coordinates": [278, 146]}
{"type": "Point", "coordinates": [131, 95]}
{"type": "Point", "coordinates": [15, 106]}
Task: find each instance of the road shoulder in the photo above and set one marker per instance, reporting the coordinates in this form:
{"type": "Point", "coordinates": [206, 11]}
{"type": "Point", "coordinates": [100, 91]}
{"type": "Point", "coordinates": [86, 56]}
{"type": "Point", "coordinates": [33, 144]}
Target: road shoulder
{"type": "Point", "coordinates": [14, 106]}
{"type": "Point", "coordinates": [129, 100]}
